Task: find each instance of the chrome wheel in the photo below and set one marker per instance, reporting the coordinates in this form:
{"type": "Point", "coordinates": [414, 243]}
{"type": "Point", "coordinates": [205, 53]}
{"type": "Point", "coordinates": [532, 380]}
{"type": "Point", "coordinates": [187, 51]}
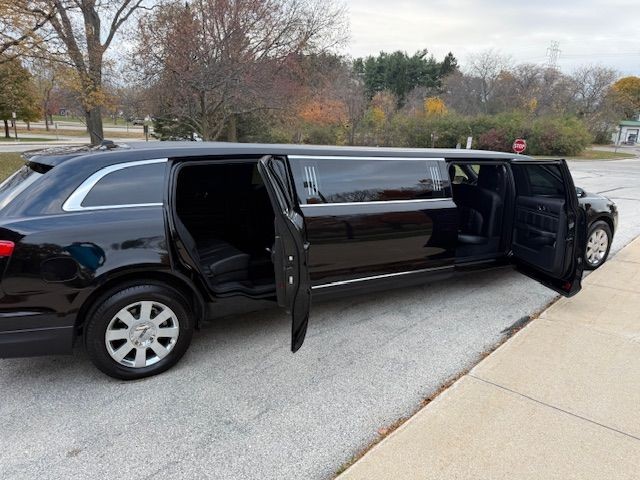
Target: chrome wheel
{"type": "Point", "coordinates": [597, 247]}
{"type": "Point", "coordinates": [141, 334]}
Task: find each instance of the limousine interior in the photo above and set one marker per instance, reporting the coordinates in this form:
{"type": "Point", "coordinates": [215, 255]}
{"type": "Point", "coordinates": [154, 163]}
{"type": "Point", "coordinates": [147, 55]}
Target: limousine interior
{"type": "Point", "coordinates": [527, 215]}
{"type": "Point", "coordinates": [225, 218]}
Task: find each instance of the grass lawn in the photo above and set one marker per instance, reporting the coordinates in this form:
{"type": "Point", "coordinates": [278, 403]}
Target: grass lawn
{"type": "Point", "coordinates": [81, 133]}
{"type": "Point", "coordinates": [29, 139]}
{"type": "Point", "coordinates": [9, 163]}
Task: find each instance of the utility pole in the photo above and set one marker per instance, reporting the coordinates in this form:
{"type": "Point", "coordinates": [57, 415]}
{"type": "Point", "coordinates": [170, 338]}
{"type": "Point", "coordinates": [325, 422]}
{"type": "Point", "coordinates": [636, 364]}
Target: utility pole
{"type": "Point", "coordinates": [553, 53]}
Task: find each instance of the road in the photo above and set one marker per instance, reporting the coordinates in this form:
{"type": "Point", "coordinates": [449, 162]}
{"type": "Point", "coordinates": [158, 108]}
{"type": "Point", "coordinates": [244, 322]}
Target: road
{"type": "Point", "coordinates": [69, 125]}
{"type": "Point", "coordinates": [240, 405]}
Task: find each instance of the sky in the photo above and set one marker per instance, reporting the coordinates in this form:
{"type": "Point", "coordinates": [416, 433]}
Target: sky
{"type": "Point", "coordinates": [601, 32]}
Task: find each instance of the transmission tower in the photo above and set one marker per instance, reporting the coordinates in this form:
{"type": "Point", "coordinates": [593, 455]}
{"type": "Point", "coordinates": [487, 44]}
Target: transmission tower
{"type": "Point", "coordinates": [553, 53]}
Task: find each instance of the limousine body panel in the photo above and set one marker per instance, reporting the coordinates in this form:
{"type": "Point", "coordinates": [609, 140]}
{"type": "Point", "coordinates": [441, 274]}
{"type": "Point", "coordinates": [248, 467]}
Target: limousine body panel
{"type": "Point", "coordinates": [68, 257]}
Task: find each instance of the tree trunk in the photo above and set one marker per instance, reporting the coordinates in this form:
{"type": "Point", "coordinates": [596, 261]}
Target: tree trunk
{"type": "Point", "coordinates": [28, 125]}
{"type": "Point", "coordinates": [6, 129]}
{"type": "Point", "coordinates": [232, 131]}
{"type": "Point", "coordinates": [46, 121]}
{"type": "Point", "coordinates": [94, 125]}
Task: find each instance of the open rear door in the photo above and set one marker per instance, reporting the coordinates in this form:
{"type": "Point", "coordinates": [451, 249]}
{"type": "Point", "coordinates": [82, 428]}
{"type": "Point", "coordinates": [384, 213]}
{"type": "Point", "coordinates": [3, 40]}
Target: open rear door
{"type": "Point", "coordinates": [289, 253]}
{"type": "Point", "coordinates": [549, 227]}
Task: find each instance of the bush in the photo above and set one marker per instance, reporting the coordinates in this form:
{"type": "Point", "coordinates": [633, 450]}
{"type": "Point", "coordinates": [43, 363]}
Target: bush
{"type": "Point", "coordinates": [559, 136]}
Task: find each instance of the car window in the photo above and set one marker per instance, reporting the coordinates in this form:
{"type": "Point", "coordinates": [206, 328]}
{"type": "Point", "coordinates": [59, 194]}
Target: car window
{"type": "Point", "coordinates": [545, 180]}
{"type": "Point", "coordinates": [363, 180]}
{"type": "Point", "coordinates": [466, 174]}
{"type": "Point", "coordinates": [134, 185]}
{"type": "Point", "coordinates": [16, 184]}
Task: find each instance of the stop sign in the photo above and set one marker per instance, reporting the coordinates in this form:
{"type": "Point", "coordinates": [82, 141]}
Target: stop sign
{"type": "Point", "coordinates": [519, 145]}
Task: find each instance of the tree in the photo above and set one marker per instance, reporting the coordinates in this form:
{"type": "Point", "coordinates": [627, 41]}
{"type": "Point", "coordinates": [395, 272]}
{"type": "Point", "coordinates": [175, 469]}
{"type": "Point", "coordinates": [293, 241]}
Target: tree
{"type": "Point", "coordinates": [590, 86]}
{"type": "Point", "coordinates": [400, 73]}
{"type": "Point", "coordinates": [22, 27]}
{"type": "Point", "coordinates": [17, 94]}
{"type": "Point", "coordinates": [214, 60]}
{"type": "Point", "coordinates": [627, 96]}
{"type": "Point", "coordinates": [77, 24]}
{"type": "Point", "coordinates": [434, 106]}
{"type": "Point", "coordinates": [449, 65]}
{"type": "Point", "coordinates": [487, 66]}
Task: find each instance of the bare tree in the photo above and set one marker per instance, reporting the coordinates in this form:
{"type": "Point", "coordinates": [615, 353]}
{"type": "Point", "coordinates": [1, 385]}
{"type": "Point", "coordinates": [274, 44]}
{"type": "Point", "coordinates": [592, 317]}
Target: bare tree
{"type": "Point", "coordinates": [78, 25]}
{"type": "Point", "coordinates": [487, 67]}
{"type": "Point", "coordinates": [590, 86]}
{"type": "Point", "coordinates": [217, 59]}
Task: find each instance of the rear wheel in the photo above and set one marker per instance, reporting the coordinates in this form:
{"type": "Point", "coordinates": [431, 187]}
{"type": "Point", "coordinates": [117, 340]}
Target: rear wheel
{"type": "Point", "coordinates": [598, 245]}
{"type": "Point", "coordinates": [138, 331]}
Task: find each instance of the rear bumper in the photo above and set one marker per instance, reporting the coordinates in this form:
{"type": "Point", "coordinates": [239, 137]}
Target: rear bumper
{"type": "Point", "coordinates": [28, 334]}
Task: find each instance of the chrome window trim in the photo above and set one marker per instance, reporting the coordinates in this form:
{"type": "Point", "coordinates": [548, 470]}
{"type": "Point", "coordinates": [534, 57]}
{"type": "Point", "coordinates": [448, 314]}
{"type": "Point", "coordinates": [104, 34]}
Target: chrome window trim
{"type": "Point", "coordinates": [377, 277]}
{"type": "Point", "coordinates": [376, 202]}
{"type": "Point", "coordinates": [347, 157]}
{"type": "Point", "coordinates": [74, 202]}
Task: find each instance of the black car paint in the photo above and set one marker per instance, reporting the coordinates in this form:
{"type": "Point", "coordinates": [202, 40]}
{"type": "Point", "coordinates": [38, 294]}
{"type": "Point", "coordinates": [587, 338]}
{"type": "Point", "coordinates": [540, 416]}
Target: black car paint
{"type": "Point", "coordinates": [598, 207]}
{"type": "Point", "coordinates": [64, 260]}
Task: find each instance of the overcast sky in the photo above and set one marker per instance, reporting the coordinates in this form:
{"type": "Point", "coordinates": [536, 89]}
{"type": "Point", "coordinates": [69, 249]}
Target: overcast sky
{"type": "Point", "coordinates": [605, 32]}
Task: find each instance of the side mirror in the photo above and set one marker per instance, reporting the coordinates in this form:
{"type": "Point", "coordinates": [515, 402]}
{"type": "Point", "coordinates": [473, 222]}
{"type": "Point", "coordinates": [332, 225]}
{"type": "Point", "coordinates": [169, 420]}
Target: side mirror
{"type": "Point", "coordinates": [581, 193]}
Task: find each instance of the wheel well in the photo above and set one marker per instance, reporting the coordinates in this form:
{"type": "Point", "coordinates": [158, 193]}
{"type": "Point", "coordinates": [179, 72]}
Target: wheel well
{"type": "Point", "coordinates": [604, 219]}
{"type": "Point", "coordinates": [192, 295]}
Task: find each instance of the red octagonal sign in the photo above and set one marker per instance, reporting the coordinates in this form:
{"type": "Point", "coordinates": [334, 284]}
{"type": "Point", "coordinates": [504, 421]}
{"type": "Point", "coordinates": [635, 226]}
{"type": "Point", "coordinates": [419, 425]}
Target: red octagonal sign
{"type": "Point", "coordinates": [520, 145]}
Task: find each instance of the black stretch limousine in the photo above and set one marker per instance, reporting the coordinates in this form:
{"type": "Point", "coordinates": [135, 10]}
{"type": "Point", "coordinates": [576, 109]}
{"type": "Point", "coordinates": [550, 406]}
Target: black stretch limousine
{"type": "Point", "coordinates": [128, 247]}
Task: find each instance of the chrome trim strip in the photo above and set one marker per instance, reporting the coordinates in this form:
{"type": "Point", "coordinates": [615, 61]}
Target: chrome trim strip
{"type": "Point", "coordinates": [347, 157]}
{"type": "Point", "coordinates": [377, 202]}
{"type": "Point", "coordinates": [74, 202]}
{"type": "Point", "coordinates": [377, 277]}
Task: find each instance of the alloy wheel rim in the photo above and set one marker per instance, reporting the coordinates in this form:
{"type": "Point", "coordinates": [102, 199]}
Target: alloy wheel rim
{"type": "Point", "coordinates": [141, 334]}
{"type": "Point", "coordinates": [597, 246]}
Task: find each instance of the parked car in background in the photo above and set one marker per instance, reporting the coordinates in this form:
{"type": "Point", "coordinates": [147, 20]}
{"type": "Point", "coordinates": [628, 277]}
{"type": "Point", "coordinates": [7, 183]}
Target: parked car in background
{"type": "Point", "coordinates": [129, 248]}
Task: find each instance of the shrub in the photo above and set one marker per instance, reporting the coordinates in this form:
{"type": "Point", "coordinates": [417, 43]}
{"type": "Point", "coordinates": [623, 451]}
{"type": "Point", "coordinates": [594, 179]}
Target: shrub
{"type": "Point", "coordinates": [560, 136]}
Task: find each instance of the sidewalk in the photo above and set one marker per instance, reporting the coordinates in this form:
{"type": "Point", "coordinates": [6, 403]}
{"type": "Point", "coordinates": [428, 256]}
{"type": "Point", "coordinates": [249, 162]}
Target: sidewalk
{"type": "Point", "coordinates": [560, 400]}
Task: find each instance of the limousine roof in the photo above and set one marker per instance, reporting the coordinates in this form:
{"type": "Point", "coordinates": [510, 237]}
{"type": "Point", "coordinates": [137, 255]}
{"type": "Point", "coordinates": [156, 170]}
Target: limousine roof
{"type": "Point", "coordinates": [118, 153]}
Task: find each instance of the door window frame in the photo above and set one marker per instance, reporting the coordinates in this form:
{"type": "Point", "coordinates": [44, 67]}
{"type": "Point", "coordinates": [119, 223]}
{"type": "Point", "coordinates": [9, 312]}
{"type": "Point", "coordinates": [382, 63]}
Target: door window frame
{"type": "Point", "coordinates": [74, 202]}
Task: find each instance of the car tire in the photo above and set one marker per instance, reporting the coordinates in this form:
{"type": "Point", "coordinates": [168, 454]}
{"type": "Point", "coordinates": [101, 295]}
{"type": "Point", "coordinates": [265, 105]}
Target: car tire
{"type": "Point", "coordinates": [598, 245]}
{"type": "Point", "coordinates": [137, 331]}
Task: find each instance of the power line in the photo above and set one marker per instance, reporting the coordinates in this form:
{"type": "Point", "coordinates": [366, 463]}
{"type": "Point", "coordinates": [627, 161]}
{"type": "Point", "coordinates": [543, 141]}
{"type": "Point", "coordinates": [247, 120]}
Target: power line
{"type": "Point", "coordinates": [553, 53]}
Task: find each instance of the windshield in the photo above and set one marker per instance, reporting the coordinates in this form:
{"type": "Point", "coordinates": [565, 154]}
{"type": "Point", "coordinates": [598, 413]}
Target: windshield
{"type": "Point", "coordinates": [16, 184]}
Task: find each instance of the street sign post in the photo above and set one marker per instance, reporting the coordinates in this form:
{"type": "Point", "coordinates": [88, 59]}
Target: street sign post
{"type": "Point", "coordinates": [15, 124]}
{"type": "Point", "coordinates": [519, 145]}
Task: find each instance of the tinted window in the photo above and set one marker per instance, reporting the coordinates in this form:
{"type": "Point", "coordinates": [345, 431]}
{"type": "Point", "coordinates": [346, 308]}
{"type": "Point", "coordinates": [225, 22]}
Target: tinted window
{"type": "Point", "coordinates": [545, 180]}
{"type": "Point", "coordinates": [353, 180]}
{"type": "Point", "coordinates": [130, 186]}
{"type": "Point", "coordinates": [16, 183]}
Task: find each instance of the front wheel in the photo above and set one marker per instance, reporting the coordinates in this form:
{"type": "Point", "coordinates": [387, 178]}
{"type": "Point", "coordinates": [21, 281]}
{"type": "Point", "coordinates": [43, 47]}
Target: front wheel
{"type": "Point", "coordinates": [138, 331]}
{"type": "Point", "coordinates": [598, 245]}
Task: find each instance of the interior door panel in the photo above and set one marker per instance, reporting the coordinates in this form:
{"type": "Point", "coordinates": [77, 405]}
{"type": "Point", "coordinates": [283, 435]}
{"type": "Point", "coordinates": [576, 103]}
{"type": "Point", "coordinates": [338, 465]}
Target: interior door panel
{"type": "Point", "coordinates": [540, 227]}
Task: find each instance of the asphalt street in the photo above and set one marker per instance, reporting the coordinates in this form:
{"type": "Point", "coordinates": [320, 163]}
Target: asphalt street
{"type": "Point", "coordinates": [241, 405]}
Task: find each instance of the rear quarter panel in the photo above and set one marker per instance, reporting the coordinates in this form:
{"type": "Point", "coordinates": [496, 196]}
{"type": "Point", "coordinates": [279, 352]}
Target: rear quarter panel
{"type": "Point", "coordinates": [60, 259]}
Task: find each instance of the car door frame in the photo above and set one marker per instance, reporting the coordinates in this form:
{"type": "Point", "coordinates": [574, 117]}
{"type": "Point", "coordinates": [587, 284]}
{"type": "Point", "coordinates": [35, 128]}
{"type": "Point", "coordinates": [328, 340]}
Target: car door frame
{"type": "Point", "coordinates": [570, 282]}
{"type": "Point", "coordinates": [290, 250]}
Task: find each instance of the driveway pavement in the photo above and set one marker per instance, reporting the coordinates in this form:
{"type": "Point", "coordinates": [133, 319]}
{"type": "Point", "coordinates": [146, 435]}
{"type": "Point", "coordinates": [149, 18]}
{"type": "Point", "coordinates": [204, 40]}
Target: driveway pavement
{"type": "Point", "coordinates": [240, 405]}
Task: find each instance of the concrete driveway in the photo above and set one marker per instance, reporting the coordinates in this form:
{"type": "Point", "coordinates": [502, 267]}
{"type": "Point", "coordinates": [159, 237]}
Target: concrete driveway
{"type": "Point", "coordinates": [240, 405]}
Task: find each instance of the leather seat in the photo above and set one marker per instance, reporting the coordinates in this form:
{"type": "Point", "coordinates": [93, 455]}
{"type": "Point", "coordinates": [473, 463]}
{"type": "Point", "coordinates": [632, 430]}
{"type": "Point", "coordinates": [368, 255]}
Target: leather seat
{"type": "Point", "coordinates": [220, 261]}
{"type": "Point", "coordinates": [480, 207]}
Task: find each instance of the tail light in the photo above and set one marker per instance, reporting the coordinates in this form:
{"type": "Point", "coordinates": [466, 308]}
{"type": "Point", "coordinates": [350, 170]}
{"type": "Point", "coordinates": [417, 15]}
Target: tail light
{"type": "Point", "coordinates": [6, 248]}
